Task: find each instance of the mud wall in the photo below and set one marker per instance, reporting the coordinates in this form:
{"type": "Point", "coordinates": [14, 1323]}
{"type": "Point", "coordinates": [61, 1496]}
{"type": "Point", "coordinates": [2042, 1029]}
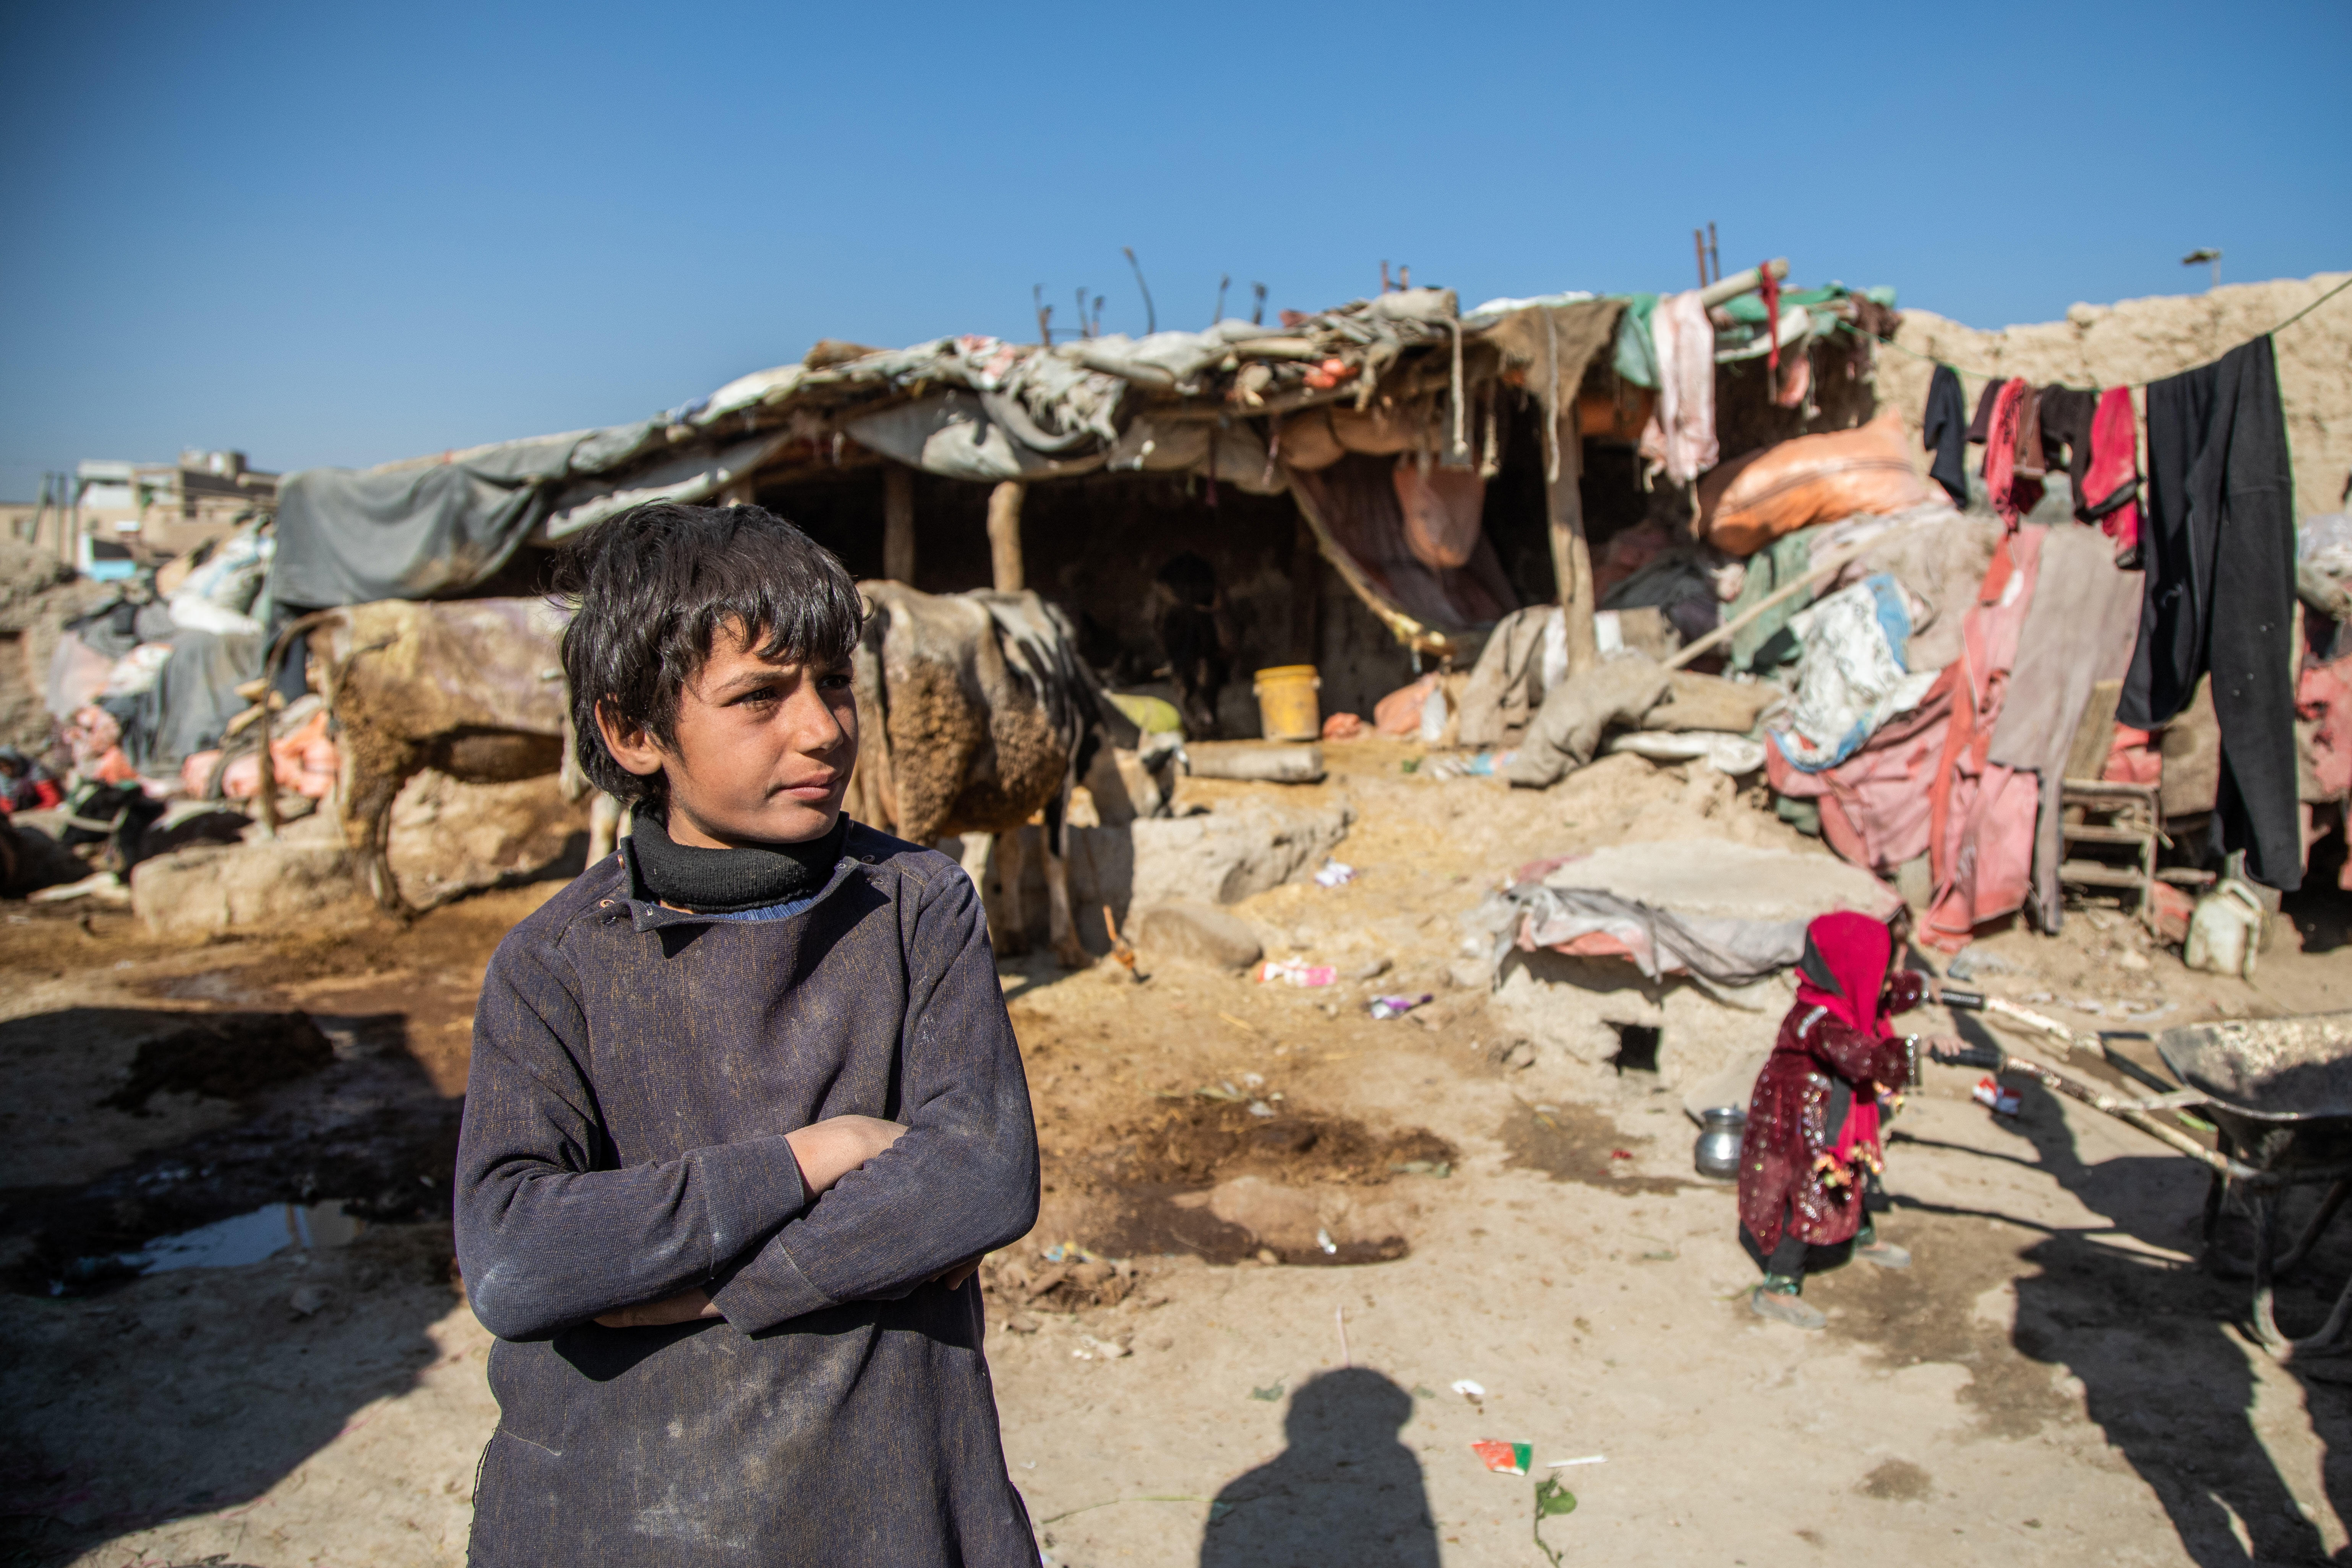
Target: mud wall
{"type": "Point", "coordinates": [2138, 340]}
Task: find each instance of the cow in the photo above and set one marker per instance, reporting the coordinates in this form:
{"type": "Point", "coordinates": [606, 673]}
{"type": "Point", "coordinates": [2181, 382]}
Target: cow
{"type": "Point", "coordinates": [1185, 610]}
{"type": "Point", "coordinates": [473, 687]}
{"type": "Point", "coordinates": [974, 714]}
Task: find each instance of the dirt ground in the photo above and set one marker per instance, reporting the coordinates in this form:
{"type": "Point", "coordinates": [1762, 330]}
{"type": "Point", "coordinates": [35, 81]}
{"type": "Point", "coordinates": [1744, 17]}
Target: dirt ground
{"type": "Point", "coordinates": [1293, 1261]}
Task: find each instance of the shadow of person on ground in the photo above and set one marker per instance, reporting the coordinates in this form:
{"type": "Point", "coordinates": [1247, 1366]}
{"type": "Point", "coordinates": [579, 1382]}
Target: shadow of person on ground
{"type": "Point", "coordinates": [2158, 1345]}
{"type": "Point", "coordinates": [1345, 1493]}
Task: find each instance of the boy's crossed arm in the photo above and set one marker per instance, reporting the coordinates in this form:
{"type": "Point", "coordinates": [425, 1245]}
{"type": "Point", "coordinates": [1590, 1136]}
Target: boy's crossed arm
{"type": "Point", "coordinates": [546, 1243]}
{"type": "Point", "coordinates": [826, 1151]}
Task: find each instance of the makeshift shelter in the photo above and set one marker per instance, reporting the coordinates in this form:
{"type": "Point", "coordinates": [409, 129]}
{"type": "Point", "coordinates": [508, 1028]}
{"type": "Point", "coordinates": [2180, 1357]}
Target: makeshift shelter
{"type": "Point", "coordinates": [1416, 448]}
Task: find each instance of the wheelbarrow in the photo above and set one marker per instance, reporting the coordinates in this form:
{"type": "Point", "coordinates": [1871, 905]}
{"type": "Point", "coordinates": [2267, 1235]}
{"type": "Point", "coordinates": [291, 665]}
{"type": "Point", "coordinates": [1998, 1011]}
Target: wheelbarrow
{"type": "Point", "coordinates": [2278, 1092]}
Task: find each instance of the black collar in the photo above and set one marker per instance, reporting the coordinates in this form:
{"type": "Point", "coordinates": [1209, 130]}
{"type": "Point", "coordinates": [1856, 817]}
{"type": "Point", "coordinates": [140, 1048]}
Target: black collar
{"type": "Point", "coordinates": [729, 881]}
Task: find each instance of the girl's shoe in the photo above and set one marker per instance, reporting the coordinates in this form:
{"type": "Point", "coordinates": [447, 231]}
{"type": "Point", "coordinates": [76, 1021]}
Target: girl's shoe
{"type": "Point", "coordinates": [1885, 1254]}
{"type": "Point", "coordinates": [1784, 1307]}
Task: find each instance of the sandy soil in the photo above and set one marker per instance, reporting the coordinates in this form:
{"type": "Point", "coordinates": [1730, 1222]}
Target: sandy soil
{"type": "Point", "coordinates": [2054, 1381]}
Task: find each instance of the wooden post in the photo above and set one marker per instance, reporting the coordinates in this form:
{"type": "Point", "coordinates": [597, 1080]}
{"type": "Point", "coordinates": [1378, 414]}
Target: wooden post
{"type": "Point", "coordinates": [1004, 535]}
{"type": "Point", "coordinates": [1571, 557]}
{"type": "Point", "coordinates": [899, 524]}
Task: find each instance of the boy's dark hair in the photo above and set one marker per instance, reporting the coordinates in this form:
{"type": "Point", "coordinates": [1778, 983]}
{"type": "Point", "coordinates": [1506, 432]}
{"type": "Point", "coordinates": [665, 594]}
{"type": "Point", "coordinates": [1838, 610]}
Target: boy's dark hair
{"type": "Point", "coordinates": [649, 590]}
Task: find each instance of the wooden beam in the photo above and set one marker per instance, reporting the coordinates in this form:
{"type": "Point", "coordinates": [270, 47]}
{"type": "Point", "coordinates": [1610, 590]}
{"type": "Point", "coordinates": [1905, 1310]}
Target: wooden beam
{"type": "Point", "coordinates": [1572, 556]}
{"type": "Point", "coordinates": [1723, 290]}
{"type": "Point", "coordinates": [1004, 535]}
{"type": "Point", "coordinates": [899, 524]}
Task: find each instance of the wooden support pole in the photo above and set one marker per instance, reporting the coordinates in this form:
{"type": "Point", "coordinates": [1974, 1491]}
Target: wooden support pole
{"type": "Point", "coordinates": [1004, 535]}
{"type": "Point", "coordinates": [899, 524]}
{"type": "Point", "coordinates": [1572, 556]}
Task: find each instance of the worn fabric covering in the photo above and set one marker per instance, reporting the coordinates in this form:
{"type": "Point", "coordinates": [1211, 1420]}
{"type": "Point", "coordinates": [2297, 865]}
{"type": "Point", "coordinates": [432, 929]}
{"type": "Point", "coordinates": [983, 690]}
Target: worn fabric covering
{"type": "Point", "coordinates": [1788, 1129]}
{"type": "Point", "coordinates": [2079, 630]}
{"type": "Point", "coordinates": [1567, 731]}
{"type": "Point", "coordinates": [430, 529]}
{"type": "Point", "coordinates": [2221, 542]}
{"type": "Point", "coordinates": [1525, 657]}
{"type": "Point", "coordinates": [1874, 806]}
{"type": "Point", "coordinates": [634, 1068]}
{"type": "Point", "coordinates": [1442, 510]}
{"type": "Point", "coordinates": [1940, 561]}
{"type": "Point", "coordinates": [1758, 646]}
{"type": "Point", "coordinates": [1355, 503]}
{"type": "Point", "coordinates": [191, 702]}
{"type": "Point", "coordinates": [1586, 922]}
{"type": "Point", "coordinates": [1852, 677]}
{"type": "Point", "coordinates": [1551, 346]}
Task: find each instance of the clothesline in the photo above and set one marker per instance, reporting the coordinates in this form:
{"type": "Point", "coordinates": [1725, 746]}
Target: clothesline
{"type": "Point", "coordinates": [2004, 375]}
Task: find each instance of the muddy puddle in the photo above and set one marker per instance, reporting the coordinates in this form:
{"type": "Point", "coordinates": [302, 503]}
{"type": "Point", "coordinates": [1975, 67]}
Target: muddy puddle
{"type": "Point", "coordinates": [1579, 1143]}
{"type": "Point", "coordinates": [231, 1243]}
{"type": "Point", "coordinates": [1225, 1181]}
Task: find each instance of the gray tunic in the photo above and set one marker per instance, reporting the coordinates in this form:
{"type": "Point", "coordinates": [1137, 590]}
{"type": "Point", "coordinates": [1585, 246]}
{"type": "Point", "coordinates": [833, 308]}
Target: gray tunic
{"type": "Point", "coordinates": [634, 1069]}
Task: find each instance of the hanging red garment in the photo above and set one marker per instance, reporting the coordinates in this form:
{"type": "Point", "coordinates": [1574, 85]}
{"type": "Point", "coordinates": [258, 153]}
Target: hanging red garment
{"type": "Point", "coordinates": [2111, 489]}
{"type": "Point", "coordinates": [2012, 493]}
{"type": "Point", "coordinates": [1981, 814]}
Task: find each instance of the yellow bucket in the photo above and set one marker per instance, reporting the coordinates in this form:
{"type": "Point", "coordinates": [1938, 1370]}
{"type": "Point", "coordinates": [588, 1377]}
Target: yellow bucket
{"type": "Point", "coordinates": [1287, 709]}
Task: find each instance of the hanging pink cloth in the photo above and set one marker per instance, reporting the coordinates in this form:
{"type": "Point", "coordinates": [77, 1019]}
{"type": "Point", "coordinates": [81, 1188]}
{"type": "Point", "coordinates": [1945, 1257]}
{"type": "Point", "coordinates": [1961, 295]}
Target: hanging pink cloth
{"type": "Point", "coordinates": [1980, 832]}
{"type": "Point", "coordinates": [1680, 436]}
{"type": "Point", "coordinates": [2112, 487]}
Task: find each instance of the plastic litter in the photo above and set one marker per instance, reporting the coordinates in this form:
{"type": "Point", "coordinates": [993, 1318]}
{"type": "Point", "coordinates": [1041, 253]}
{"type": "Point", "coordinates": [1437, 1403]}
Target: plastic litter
{"type": "Point", "coordinates": [1473, 1392]}
{"type": "Point", "coordinates": [1323, 1239]}
{"type": "Point", "coordinates": [1397, 1006]}
{"type": "Point", "coordinates": [1588, 1459]}
{"type": "Point", "coordinates": [1504, 1459]}
{"type": "Point", "coordinates": [1270, 1392]}
{"type": "Point", "coordinates": [1335, 874]}
{"type": "Point", "coordinates": [1296, 971]}
{"type": "Point", "coordinates": [1989, 1093]}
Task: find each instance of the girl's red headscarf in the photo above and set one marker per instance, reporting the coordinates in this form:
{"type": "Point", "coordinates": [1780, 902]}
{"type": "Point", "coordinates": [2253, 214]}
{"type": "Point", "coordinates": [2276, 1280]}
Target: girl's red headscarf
{"type": "Point", "coordinates": [1845, 970]}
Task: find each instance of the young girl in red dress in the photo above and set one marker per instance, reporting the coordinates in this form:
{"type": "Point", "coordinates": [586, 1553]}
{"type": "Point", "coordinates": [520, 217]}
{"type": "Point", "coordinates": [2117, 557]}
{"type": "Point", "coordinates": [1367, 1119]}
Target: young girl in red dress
{"type": "Point", "coordinates": [1813, 1146]}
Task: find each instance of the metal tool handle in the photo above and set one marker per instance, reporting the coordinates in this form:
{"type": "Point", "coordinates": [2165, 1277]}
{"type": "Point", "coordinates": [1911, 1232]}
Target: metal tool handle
{"type": "Point", "coordinates": [1967, 1001]}
{"type": "Point", "coordinates": [1986, 1057]}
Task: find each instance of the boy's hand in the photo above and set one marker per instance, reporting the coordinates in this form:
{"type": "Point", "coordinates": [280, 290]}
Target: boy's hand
{"type": "Point", "coordinates": [683, 1308]}
{"type": "Point", "coordinates": [829, 1150]}
{"type": "Point", "coordinates": [954, 1275]}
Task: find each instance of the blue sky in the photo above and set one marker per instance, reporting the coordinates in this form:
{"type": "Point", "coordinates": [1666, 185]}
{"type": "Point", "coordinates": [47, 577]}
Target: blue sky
{"type": "Point", "coordinates": [343, 235]}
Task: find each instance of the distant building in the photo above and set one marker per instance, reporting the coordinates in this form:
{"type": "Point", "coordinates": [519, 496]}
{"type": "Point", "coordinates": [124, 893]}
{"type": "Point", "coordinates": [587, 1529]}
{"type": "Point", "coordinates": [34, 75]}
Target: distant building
{"type": "Point", "coordinates": [109, 517]}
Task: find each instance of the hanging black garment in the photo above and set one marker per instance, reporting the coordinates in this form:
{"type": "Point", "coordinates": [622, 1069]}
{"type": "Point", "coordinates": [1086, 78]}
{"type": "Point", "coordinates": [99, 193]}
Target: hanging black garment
{"type": "Point", "coordinates": [1943, 431]}
{"type": "Point", "coordinates": [2066, 439]}
{"type": "Point", "coordinates": [1981, 427]}
{"type": "Point", "coordinates": [2219, 537]}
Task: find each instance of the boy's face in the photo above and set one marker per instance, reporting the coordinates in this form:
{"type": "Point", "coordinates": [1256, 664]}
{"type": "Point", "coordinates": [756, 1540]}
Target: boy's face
{"type": "Point", "coordinates": [764, 748]}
